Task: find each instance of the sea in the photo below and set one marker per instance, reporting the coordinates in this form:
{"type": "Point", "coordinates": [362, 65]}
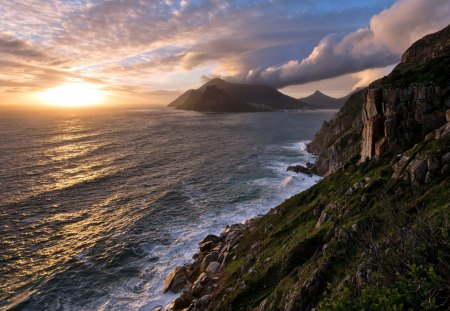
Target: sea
{"type": "Point", "coordinates": [97, 207]}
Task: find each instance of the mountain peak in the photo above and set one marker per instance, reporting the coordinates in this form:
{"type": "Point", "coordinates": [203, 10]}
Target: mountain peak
{"type": "Point", "coordinates": [216, 81]}
{"type": "Point", "coordinates": [323, 101]}
{"type": "Point", "coordinates": [219, 95]}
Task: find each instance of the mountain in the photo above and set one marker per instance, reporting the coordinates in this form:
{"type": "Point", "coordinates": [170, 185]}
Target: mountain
{"type": "Point", "coordinates": [373, 234]}
{"type": "Point", "coordinates": [319, 100]}
{"type": "Point", "coordinates": [394, 112]}
{"type": "Point", "coordinates": [217, 95]}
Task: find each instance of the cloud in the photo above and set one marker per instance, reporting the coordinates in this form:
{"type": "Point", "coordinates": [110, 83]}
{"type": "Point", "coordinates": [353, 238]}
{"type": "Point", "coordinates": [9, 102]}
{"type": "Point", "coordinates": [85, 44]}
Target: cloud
{"type": "Point", "coordinates": [381, 44]}
{"type": "Point", "coordinates": [20, 77]}
{"type": "Point", "coordinates": [13, 48]}
{"type": "Point", "coordinates": [171, 44]}
{"type": "Point", "coordinates": [367, 76]}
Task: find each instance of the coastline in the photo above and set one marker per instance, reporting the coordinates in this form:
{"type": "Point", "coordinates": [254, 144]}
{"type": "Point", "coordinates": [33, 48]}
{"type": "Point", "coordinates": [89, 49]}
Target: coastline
{"type": "Point", "coordinates": [194, 282]}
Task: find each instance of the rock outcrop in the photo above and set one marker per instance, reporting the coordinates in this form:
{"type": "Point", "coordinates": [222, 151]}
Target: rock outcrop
{"type": "Point", "coordinates": [199, 279]}
{"type": "Point", "coordinates": [416, 169]}
{"type": "Point", "coordinates": [400, 116]}
{"type": "Point", "coordinates": [218, 95]}
{"type": "Point", "coordinates": [394, 112]}
{"type": "Point", "coordinates": [307, 170]}
{"type": "Point", "coordinates": [400, 109]}
{"type": "Point", "coordinates": [339, 140]}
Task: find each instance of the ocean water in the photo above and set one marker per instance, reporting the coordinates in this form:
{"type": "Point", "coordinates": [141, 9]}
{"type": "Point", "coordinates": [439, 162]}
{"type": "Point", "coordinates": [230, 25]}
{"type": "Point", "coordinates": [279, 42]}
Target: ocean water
{"type": "Point", "coordinates": [96, 208]}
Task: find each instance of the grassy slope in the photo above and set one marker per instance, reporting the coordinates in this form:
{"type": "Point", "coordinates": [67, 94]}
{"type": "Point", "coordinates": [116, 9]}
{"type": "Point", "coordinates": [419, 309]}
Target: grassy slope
{"type": "Point", "coordinates": [287, 266]}
{"type": "Point", "coordinates": [385, 246]}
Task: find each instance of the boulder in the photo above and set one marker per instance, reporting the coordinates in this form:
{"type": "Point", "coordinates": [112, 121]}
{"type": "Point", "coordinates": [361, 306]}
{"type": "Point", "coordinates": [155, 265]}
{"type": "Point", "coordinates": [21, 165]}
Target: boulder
{"type": "Point", "coordinates": [363, 198]}
{"type": "Point", "coordinates": [349, 191]}
{"type": "Point", "coordinates": [446, 158]}
{"type": "Point", "coordinates": [323, 217]}
{"type": "Point", "coordinates": [445, 169]}
{"type": "Point", "coordinates": [429, 177]}
{"type": "Point", "coordinates": [443, 131]}
{"type": "Point", "coordinates": [213, 267]}
{"type": "Point", "coordinates": [210, 238]}
{"type": "Point", "coordinates": [183, 301]}
{"type": "Point", "coordinates": [193, 270]}
{"type": "Point", "coordinates": [199, 284]}
{"type": "Point", "coordinates": [213, 256]}
{"type": "Point", "coordinates": [202, 303]}
{"type": "Point", "coordinates": [176, 281]}
{"type": "Point", "coordinates": [207, 246]}
{"type": "Point", "coordinates": [341, 235]}
{"type": "Point", "coordinates": [433, 164]}
{"type": "Point", "coordinates": [300, 169]}
{"type": "Point", "coordinates": [418, 171]}
{"type": "Point", "coordinates": [381, 146]}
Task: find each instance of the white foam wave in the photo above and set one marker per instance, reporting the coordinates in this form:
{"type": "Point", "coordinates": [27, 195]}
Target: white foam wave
{"type": "Point", "coordinates": [276, 187]}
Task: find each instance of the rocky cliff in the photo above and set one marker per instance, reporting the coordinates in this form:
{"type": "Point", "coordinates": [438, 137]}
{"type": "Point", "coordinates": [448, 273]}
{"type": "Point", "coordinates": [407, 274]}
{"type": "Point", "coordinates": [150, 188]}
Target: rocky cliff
{"type": "Point", "coordinates": [218, 95]}
{"type": "Point", "coordinates": [397, 110]}
{"type": "Point", "coordinates": [371, 235]}
{"type": "Point", "coordinates": [395, 117]}
{"type": "Point", "coordinates": [339, 140]}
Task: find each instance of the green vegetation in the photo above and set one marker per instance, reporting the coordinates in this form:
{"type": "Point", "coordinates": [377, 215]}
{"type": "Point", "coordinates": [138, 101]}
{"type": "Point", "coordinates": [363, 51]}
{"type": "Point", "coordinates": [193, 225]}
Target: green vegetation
{"type": "Point", "coordinates": [369, 236]}
{"type": "Point", "coordinates": [433, 71]}
{"type": "Point", "coordinates": [378, 248]}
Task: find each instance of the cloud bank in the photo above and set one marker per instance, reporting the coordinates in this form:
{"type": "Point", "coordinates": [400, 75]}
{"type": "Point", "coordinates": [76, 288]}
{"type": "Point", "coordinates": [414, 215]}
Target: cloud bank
{"type": "Point", "coordinates": [143, 46]}
{"type": "Point", "coordinates": [389, 34]}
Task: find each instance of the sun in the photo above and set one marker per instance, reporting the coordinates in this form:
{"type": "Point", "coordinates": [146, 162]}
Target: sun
{"type": "Point", "coordinates": [73, 95]}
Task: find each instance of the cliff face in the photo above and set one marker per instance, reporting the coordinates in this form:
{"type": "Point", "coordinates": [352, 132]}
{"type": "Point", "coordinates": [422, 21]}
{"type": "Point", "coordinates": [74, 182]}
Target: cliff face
{"type": "Point", "coordinates": [400, 116]}
{"type": "Point", "coordinates": [339, 140]}
{"type": "Point", "coordinates": [395, 112]}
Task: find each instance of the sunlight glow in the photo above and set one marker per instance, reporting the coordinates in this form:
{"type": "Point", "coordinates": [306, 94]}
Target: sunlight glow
{"type": "Point", "coordinates": [73, 95]}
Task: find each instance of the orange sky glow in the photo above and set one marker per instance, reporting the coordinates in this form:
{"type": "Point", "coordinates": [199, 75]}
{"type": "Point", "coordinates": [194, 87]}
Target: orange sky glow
{"type": "Point", "coordinates": [89, 52]}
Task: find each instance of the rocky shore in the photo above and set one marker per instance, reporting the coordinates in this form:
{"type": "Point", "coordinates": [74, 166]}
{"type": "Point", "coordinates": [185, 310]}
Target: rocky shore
{"type": "Point", "coordinates": [196, 281]}
{"type": "Point", "coordinates": [308, 169]}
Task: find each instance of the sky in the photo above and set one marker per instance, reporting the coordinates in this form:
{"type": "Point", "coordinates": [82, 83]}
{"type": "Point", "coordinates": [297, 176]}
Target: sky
{"type": "Point", "coordinates": [150, 51]}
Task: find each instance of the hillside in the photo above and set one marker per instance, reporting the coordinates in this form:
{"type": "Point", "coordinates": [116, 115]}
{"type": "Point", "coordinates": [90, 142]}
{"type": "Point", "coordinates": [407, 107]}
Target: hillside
{"type": "Point", "coordinates": [319, 100]}
{"type": "Point", "coordinates": [217, 95]}
{"type": "Point", "coordinates": [373, 234]}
